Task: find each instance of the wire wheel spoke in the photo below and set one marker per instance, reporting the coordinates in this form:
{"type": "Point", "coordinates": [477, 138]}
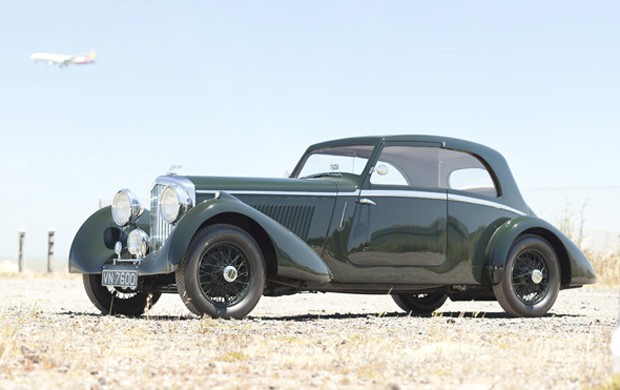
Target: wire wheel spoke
{"type": "Point", "coordinates": [217, 288]}
{"type": "Point", "coordinates": [120, 293]}
{"type": "Point", "coordinates": [530, 277]}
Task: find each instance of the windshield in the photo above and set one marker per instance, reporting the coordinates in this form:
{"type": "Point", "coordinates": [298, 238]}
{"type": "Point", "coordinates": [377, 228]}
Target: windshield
{"type": "Point", "coordinates": [333, 161]}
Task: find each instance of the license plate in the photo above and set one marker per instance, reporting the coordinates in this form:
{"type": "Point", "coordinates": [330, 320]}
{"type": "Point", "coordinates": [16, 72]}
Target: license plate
{"type": "Point", "coordinates": [120, 277]}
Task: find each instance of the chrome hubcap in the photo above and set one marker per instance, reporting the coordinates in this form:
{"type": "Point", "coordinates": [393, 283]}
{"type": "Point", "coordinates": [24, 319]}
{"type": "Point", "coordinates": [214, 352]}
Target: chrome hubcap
{"type": "Point", "coordinates": [537, 276]}
{"type": "Point", "coordinates": [230, 274]}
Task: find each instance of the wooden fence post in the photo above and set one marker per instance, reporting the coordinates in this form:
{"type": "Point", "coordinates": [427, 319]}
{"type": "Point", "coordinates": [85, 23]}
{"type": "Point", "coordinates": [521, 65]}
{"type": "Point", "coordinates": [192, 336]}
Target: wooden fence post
{"type": "Point", "coordinates": [50, 248]}
{"type": "Point", "coordinates": [20, 255]}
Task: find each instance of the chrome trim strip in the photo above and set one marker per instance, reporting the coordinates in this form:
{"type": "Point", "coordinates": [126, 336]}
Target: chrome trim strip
{"type": "Point", "coordinates": [381, 194]}
{"type": "Point", "coordinates": [439, 196]}
{"type": "Point", "coordinates": [405, 194]}
{"type": "Point", "coordinates": [344, 210]}
{"type": "Point", "coordinates": [482, 202]}
{"type": "Point", "coordinates": [286, 193]}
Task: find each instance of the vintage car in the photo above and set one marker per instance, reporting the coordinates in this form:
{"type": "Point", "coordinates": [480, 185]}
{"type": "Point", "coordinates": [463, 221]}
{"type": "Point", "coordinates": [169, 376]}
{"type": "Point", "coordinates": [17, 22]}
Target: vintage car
{"type": "Point", "coordinates": [422, 218]}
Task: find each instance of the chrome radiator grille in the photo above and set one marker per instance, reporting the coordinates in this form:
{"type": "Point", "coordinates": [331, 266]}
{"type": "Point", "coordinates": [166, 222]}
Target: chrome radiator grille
{"type": "Point", "coordinates": [160, 229]}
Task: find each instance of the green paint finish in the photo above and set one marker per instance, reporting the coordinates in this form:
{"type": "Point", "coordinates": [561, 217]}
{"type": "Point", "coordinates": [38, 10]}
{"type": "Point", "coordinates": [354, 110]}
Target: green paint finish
{"type": "Point", "coordinates": [93, 245]}
{"type": "Point", "coordinates": [340, 233]}
{"type": "Point", "coordinates": [576, 269]}
{"type": "Point", "coordinates": [295, 258]}
{"type": "Point", "coordinates": [232, 184]}
{"type": "Point", "coordinates": [470, 228]}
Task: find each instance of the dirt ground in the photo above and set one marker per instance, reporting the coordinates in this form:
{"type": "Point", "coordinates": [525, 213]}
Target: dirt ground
{"type": "Point", "coordinates": [52, 337]}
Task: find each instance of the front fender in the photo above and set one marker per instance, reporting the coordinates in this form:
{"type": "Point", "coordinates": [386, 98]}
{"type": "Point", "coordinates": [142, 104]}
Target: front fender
{"type": "Point", "coordinates": [576, 269]}
{"type": "Point", "coordinates": [295, 259]}
{"type": "Point", "coordinates": [93, 244]}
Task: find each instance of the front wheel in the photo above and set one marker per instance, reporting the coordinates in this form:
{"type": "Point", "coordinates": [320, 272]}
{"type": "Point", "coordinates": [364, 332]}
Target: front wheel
{"type": "Point", "coordinates": [531, 278]}
{"type": "Point", "coordinates": [222, 274]}
{"type": "Point", "coordinates": [110, 300]}
{"type": "Point", "coordinates": [419, 303]}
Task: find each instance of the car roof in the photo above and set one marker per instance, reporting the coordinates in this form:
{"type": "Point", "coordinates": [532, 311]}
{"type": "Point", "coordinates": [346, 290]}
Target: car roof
{"type": "Point", "coordinates": [448, 142]}
{"type": "Point", "coordinates": [510, 194]}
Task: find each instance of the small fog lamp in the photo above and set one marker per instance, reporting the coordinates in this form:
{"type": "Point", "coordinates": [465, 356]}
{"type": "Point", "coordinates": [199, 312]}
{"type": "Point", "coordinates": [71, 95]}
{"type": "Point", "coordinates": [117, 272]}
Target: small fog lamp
{"type": "Point", "coordinates": [138, 243]}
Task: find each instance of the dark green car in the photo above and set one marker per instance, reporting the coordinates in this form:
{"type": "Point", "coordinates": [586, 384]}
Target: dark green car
{"type": "Point", "coordinates": [419, 217]}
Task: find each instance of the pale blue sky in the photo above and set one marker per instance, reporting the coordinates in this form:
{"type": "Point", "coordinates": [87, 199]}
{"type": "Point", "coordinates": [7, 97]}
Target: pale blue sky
{"type": "Point", "coordinates": [243, 87]}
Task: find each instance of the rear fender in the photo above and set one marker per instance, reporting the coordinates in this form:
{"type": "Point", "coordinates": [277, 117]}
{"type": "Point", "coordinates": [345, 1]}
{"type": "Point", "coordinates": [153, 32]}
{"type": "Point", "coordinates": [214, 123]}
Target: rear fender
{"type": "Point", "coordinates": [576, 269]}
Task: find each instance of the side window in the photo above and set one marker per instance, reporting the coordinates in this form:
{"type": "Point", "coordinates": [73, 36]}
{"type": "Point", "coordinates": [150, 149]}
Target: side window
{"type": "Point", "coordinates": [403, 165]}
{"type": "Point", "coordinates": [432, 168]}
{"type": "Point", "coordinates": [464, 172]}
{"type": "Point", "coordinates": [388, 175]}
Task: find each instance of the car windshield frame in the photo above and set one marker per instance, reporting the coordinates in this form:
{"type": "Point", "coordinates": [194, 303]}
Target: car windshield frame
{"type": "Point", "coordinates": [352, 154]}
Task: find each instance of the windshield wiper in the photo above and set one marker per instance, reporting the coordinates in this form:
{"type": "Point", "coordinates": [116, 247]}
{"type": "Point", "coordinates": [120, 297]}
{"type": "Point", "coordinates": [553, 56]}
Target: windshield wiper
{"type": "Point", "coordinates": [322, 174]}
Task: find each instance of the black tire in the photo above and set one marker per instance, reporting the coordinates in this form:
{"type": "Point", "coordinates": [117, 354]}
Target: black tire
{"type": "Point", "coordinates": [531, 278]}
{"type": "Point", "coordinates": [419, 303]}
{"type": "Point", "coordinates": [201, 279]}
{"type": "Point", "coordinates": [117, 301]}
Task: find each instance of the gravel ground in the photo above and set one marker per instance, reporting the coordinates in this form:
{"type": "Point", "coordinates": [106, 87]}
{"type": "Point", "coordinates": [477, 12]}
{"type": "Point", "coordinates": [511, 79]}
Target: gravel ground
{"type": "Point", "coordinates": [52, 337]}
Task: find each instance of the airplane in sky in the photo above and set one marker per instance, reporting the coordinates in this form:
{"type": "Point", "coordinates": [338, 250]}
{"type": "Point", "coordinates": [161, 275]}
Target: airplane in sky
{"type": "Point", "coordinates": [63, 60]}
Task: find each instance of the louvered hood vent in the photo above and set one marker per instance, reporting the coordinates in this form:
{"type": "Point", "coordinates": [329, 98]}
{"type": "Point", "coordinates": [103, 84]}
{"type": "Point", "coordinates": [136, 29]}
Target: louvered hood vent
{"type": "Point", "coordinates": [297, 219]}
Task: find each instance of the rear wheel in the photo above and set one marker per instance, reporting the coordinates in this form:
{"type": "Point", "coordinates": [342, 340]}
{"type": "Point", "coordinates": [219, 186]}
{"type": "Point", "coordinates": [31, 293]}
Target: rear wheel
{"type": "Point", "coordinates": [110, 300]}
{"type": "Point", "coordinates": [419, 303]}
{"type": "Point", "coordinates": [531, 278]}
{"type": "Point", "coordinates": [222, 274]}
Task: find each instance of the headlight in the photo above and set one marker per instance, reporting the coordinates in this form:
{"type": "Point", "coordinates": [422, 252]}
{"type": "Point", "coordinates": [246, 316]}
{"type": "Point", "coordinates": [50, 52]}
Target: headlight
{"type": "Point", "coordinates": [173, 203]}
{"type": "Point", "coordinates": [125, 207]}
{"type": "Point", "coordinates": [138, 243]}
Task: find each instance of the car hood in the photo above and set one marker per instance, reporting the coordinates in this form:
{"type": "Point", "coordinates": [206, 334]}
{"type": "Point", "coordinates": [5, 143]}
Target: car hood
{"type": "Point", "coordinates": [243, 184]}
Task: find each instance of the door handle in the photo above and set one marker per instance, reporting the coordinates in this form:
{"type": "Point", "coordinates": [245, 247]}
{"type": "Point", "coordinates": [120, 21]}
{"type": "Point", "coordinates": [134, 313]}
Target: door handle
{"type": "Point", "coordinates": [366, 201]}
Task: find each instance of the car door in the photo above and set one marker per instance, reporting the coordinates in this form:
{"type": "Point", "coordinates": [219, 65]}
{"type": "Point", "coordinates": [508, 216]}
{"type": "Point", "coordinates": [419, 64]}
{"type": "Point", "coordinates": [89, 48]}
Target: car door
{"type": "Point", "coordinates": [400, 218]}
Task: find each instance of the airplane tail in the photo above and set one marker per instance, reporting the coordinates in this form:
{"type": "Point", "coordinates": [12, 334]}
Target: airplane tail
{"type": "Point", "coordinates": [90, 56]}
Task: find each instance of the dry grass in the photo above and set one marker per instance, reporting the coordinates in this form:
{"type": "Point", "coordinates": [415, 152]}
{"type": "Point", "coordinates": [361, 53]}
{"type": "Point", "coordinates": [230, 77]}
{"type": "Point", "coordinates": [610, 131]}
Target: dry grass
{"type": "Point", "coordinates": [611, 384]}
{"type": "Point", "coordinates": [607, 269]}
{"type": "Point", "coordinates": [606, 265]}
{"type": "Point", "coordinates": [52, 338]}
{"type": "Point", "coordinates": [29, 275]}
{"type": "Point", "coordinates": [115, 352]}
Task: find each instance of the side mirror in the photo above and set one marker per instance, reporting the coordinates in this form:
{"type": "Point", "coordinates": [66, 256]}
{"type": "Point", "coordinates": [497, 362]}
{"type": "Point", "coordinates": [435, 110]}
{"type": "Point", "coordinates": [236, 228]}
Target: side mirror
{"type": "Point", "coordinates": [382, 170]}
